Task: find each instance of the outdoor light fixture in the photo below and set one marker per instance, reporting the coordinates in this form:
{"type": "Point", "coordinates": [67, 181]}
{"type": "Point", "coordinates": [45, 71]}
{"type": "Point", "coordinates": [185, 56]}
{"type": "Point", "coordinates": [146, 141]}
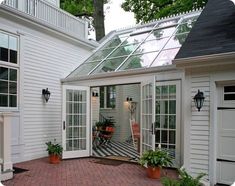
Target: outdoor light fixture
{"type": "Point", "coordinates": [46, 94]}
{"type": "Point", "coordinates": [95, 94]}
{"type": "Point", "coordinates": [129, 99]}
{"type": "Point", "coordinates": [199, 100]}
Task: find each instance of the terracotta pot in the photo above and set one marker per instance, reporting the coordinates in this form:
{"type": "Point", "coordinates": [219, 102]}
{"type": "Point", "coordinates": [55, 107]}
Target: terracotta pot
{"type": "Point", "coordinates": [154, 172]}
{"type": "Point", "coordinates": [54, 159]}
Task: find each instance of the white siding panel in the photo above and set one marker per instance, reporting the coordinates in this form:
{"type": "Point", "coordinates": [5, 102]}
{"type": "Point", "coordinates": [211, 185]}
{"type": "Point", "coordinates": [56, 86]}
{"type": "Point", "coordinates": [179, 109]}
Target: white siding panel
{"type": "Point", "coordinates": [199, 138]}
{"type": "Point", "coordinates": [45, 63]}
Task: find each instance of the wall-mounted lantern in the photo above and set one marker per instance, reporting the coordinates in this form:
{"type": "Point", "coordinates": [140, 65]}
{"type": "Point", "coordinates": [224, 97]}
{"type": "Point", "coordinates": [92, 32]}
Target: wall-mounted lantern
{"type": "Point", "coordinates": [129, 99]}
{"type": "Point", "coordinates": [95, 94]}
{"type": "Point", "coordinates": [199, 100]}
{"type": "Point", "coordinates": [46, 94]}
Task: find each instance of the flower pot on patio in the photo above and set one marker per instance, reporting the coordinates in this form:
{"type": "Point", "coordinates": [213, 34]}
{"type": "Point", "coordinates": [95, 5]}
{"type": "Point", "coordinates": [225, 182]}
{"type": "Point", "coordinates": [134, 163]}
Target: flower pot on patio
{"type": "Point", "coordinates": [154, 172]}
{"type": "Point", "coordinates": [54, 159]}
{"type": "Point", "coordinates": [154, 160]}
{"type": "Point", "coordinates": [55, 151]}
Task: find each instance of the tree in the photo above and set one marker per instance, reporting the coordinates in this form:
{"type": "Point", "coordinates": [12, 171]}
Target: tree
{"type": "Point", "coordinates": [147, 10]}
{"type": "Point", "coordinates": [91, 9]}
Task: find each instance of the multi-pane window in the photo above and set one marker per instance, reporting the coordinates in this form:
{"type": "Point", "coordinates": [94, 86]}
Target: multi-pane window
{"type": "Point", "coordinates": [8, 48]}
{"type": "Point", "coordinates": [108, 97]}
{"type": "Point", "coordinates": [8, 70]}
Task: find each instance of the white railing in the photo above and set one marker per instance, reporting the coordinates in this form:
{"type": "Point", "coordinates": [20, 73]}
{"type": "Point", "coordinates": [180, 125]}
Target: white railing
{"type": "Point", "coordinates": [51, 15]}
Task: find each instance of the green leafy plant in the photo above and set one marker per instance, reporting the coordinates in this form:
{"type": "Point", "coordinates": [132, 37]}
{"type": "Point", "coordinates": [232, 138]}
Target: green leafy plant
{"type": "Point", "coordinates": [54, 148]}
{"type": "Point", "coordinates": [185, 179]}
{"type": "Point", "coordinates": [109, 122]}
{"type": "Point", "coordinates": [99, 124]}
{"type": "Point", "coordinates": [158, 158]}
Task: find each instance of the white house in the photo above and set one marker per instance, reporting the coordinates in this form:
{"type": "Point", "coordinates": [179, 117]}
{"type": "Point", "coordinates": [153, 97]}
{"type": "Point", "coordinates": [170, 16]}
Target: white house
{"type": "Point", "coordinates": [160, 65]}
{"type": "Point", "coordinates": [39, 45]}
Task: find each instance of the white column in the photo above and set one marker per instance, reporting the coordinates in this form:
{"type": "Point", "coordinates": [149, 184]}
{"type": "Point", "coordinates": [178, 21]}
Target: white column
{"type": "Point", "coordinates": [5, 142]}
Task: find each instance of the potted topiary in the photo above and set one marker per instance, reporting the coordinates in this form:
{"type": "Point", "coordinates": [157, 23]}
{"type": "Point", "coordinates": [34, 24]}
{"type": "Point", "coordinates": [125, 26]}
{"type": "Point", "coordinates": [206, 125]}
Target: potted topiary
{"type": "Point", "coordinates": [154, 161]}
{"type": "Point", "coordinates": [55, 151]}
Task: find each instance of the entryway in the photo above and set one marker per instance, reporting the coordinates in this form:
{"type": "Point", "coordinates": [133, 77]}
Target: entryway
{"type": "Point", "coordinates": [152, 105]}
{"type": "Point", "coordinates": [226, 135]}
{"type": "Point", "coordinates": [114, 108]}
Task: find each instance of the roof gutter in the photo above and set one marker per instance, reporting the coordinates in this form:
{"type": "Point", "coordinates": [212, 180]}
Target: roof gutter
{"type": "Point", "coordinates": [206, 60]}
{"type": "Point", "coordinates": [121, 73]}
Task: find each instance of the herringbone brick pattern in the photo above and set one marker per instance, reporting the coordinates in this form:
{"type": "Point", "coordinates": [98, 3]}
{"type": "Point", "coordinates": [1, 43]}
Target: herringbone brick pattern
{"type": "Point", "coordinates": [82, 172]}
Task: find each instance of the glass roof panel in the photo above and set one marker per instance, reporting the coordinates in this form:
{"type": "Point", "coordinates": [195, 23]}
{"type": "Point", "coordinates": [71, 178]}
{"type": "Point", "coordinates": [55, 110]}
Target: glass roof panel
{"type": "Point", "coordinates": [183, 28]}
{"type": "Point", "coordinates": [115, 41]}
{"type": "Point", "coordinates": [176, 41]}
{"type": "Point", "coordinates": [150, 46]}
{"type": "Point", "coordinates": [100, 54]}
{"type": "Point", "coordinates": [84, 69]}
{"type": "Point", "coordinates": [163, 32]}
{"type": "Point", "coordinates": [136, 38]}
{"type": "Point", "coordinates": [165, 57]}
{"type": "Point", "coordinates": [123, 50]}
{"type": "Point", "coordinates": [109, 65]}
{"type": "Point", "coordinates": [139, 61]}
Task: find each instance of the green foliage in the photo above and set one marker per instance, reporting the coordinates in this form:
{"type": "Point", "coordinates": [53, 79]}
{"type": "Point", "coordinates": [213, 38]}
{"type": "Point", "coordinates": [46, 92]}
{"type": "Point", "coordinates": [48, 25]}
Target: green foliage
{"type": "Point", "coordinates": [156, 158]}
{"type": "Point", "coordinates": [149, 10]}
{"type": "Point", "coordinates": [185, 179]}
{"type": "Point", "coordinates": [54, 148]}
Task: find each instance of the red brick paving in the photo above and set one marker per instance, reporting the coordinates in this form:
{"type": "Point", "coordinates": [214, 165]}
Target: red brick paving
{"type": "Point", "coordinates": [82, 172]}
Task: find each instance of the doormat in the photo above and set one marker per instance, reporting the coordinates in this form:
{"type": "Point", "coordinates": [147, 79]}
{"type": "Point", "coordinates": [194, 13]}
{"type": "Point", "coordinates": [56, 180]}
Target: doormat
{"type": "Point", "coordinates": [121, 158]}
{"type": "Point", "coordinates": [109, 162]}
{"type": "Point", "coordinates": [17, 170]}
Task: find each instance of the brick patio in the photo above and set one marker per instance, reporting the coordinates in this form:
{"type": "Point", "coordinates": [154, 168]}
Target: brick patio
{"type": "Point", "coordinates": [82, 172]}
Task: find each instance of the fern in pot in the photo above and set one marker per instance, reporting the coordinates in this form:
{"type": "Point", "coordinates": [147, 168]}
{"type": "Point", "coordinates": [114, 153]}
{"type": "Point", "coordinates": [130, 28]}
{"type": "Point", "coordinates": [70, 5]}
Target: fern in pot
{"type": "Point", "coordinates": [55, 151]}
{"type": "Point", "coordinates": [154, 161]}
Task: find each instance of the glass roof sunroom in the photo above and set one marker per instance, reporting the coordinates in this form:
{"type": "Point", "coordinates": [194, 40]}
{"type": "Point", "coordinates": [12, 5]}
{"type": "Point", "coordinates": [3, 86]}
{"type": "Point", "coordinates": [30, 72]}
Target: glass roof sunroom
{"type": "Point", "coordinates": [145, 46]}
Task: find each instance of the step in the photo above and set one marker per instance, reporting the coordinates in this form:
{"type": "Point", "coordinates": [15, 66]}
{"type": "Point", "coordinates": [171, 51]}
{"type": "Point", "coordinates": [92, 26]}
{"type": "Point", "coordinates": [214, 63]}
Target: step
{"type": "Point", "coordinates": [5, 175]}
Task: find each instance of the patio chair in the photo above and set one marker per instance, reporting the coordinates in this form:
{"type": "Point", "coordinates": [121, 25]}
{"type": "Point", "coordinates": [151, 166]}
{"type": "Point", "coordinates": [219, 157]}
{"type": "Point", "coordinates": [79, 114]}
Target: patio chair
{"type": "Point", "coordinates": [106, 135]}
{"type": "Point", "coordinates": [135, 132]}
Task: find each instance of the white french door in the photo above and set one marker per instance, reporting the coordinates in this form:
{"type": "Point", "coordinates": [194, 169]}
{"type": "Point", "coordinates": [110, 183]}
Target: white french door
{"type": "Point", "coordinates": [167, 118]}
{"type": "Point", "coordinates": [76, 126]}
{"type": "Point", "coordinates": [147, 116]}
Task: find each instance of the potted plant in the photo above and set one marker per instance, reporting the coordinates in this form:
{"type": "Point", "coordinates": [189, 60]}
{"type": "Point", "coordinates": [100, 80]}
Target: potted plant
{"type": "Point", "coordinates": [55, 151]}
{"type": "Point", "coordinates": [99, 125]}
{"type": "Point", "coordinates": [154, 161]}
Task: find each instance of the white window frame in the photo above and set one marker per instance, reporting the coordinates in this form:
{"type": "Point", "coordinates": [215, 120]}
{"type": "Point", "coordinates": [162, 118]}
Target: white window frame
{"type": "Point", "coordinates": [16, 67]}
{"type": "Point", "coordinates": [105, 97]}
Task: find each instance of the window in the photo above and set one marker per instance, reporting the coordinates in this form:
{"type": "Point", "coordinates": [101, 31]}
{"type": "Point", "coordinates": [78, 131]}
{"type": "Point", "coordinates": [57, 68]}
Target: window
{"type": "Point", "coordinates": [108, 97]}
{"type": "Point", "coordinates": [8, 48]}
{"type": "Point", "coordinates": [229, 93]}
{"type": "Point", "coordinates": [8, 70]}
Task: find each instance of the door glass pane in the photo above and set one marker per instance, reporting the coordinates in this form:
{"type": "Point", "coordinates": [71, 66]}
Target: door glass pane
{"type": "Point", "coordinates": [75, 120]}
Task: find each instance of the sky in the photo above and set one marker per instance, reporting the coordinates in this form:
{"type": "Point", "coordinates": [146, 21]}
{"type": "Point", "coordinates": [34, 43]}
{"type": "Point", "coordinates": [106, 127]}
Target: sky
{"type": "Point", "coordinates": [116, 17]}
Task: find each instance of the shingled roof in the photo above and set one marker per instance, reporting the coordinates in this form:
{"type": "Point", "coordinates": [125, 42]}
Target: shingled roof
{"type": "Point", "coordinates": [213, 33]}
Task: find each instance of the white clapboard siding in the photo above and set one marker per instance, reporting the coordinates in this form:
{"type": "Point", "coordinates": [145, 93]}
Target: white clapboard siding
{"type": "Point", "coordinates": [199, 129]}
{"type": "Point", "coordinates": [45, 63]}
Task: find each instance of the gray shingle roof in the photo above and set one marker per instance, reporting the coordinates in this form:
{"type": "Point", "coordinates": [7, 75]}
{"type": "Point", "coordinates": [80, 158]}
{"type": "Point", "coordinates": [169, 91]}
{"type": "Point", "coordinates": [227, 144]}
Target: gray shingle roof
{"type": "Point", "coordinates": [213, 33]}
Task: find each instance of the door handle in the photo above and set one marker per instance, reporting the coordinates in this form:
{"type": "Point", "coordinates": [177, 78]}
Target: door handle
{"type": "Point", "coordinates": [63, 125]}
{"type": "Point", "coordinates": [152, 129]}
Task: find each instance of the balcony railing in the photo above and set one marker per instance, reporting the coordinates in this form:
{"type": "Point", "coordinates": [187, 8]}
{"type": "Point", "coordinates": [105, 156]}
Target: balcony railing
{"type": "Point", "coordinates": [51, 15]}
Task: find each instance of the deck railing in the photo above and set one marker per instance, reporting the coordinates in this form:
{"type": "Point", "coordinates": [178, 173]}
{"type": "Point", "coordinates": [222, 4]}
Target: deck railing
{"type": "Point", "coordinates": [51, 15]}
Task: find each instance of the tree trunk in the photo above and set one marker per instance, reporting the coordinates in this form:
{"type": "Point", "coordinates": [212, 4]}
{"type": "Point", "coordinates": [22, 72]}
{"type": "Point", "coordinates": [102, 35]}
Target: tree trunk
{"type": "Point", "coordinates": [99, 19]}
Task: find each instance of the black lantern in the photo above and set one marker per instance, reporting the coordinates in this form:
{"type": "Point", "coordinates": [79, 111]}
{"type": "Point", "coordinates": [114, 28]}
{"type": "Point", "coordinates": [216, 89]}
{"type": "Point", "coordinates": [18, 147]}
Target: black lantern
{"type": "Point", "coordinates": [199, 100]}
{"type": "Point", "coordinates": [46, 94]}
{"type": "Point", "coordinates": [129, 99]}
{"type": "Point", "coordinates": [95, 94]}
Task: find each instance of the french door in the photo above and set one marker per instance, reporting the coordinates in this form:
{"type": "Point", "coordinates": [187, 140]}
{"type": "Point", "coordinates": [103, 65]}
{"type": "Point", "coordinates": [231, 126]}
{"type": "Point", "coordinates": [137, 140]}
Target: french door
{"type": "Point", "coordinates": [167, 118]}
{"type": "Point", "coordinates": [160, 117]}
{"type": "Point", "coordinates": [76, 126]}
{"type": "Point", "coordinates": [147, 116]}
